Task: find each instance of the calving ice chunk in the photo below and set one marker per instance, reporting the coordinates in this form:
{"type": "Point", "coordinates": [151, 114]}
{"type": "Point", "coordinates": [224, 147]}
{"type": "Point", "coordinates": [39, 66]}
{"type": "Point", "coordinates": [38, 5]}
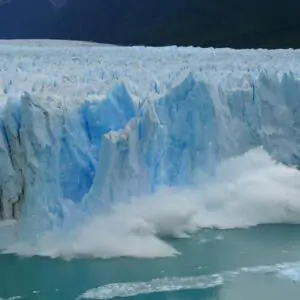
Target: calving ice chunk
{"type": "Point", "coordinates": [91, 125]}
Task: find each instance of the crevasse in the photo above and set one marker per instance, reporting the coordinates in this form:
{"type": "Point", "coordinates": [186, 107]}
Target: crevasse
{"type": "Point", "coordinates": [96, 125]}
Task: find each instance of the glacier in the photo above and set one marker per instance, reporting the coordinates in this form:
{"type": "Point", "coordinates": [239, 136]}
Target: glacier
{"type": "Point", "coordinates": [93, 125]}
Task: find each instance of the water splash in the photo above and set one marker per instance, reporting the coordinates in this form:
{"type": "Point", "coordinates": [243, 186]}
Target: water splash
{"type": "Point", "coordinates": [246, 191]}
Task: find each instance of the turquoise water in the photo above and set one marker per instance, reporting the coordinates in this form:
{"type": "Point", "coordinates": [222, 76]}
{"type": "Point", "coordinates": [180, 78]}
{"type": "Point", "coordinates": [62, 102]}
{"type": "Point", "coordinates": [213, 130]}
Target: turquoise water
{"type": "Point", "coordinates": [257, 263]}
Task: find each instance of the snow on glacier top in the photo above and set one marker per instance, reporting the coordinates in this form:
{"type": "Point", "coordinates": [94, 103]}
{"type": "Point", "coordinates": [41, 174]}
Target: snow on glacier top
{"type": "Point", "coordinates": [78, 70]}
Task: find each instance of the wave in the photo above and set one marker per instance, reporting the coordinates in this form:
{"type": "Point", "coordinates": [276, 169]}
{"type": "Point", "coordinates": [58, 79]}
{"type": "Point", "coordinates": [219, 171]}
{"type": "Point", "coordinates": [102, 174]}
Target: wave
{"type": "Point", "coordinates": [12, 298]}
{"type": "Point", "coordinates": [286, 270]}
{"type": "Point", "coordinates": [157, 285]}
{"type": "Point", "coordinates": [245, 191]}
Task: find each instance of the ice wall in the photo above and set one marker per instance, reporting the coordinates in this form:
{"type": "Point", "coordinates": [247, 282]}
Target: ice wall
{"type": "Point", "coordinates": [96, 125]}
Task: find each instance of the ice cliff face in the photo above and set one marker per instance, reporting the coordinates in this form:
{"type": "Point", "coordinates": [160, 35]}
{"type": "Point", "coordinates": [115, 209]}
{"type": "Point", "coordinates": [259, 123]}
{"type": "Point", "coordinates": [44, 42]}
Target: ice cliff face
{"type": "Point", "coordinates": [97, 124]}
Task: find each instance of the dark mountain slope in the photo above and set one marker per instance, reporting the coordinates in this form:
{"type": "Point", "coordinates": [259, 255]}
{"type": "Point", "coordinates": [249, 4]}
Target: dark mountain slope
{"type": "Point", "coordinates": [219, 23]}
{"type": "Point", "coordinates": [24, 19]}
{"type": "Point", "coordinates": [114, 21]}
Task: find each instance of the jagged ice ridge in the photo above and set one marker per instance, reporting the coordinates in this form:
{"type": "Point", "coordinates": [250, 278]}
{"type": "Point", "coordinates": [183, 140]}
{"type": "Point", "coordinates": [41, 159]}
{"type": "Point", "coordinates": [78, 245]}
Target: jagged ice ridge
{"type": "Point", "coordinates": [95, 124]}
